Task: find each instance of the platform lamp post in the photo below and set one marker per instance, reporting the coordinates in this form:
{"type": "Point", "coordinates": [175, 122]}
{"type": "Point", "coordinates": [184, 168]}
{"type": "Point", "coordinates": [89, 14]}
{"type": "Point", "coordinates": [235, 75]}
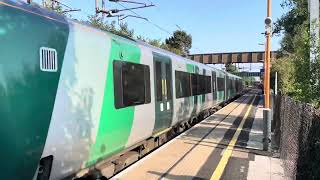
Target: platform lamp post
{"type": "Point", "coordinates": [267, 111]}
{"type": "Point", "coordinates": [268, 26]}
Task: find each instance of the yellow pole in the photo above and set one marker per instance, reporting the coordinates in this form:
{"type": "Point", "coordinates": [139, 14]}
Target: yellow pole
{"type": "Point", "coordinates": [265, 72]}
{"type": "Point", "coordinates": [267, 64]}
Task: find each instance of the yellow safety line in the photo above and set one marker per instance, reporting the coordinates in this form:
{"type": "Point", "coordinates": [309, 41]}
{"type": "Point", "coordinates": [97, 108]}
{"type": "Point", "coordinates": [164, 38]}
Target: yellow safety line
{"type": "Point", "coordinates": [161, 132]}
{"type": "Point", "coordinates": [228, 152]}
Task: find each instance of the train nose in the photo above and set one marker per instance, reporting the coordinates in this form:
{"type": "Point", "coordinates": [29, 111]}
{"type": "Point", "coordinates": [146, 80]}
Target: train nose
{"type": "Point", "coordinates": [27, 93]}
{"type": "Point", "coordinates": [25, 113]}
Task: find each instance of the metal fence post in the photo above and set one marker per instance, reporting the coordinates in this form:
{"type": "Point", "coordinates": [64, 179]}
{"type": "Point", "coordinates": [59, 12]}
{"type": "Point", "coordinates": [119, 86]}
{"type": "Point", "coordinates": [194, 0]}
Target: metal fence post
{"type": "Point", "coordinates": [267, 129]}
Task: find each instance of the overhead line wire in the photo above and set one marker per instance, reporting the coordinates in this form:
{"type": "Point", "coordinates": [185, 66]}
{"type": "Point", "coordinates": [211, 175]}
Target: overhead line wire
{"type": "Point", "coordinates": [154, 24]}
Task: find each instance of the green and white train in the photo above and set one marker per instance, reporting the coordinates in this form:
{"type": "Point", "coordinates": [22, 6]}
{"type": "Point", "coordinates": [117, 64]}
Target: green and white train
{"type": "Point", "coordinates": [74, 98]}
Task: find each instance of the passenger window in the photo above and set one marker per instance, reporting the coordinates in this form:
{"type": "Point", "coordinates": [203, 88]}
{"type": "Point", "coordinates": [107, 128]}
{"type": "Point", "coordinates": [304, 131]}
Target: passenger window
{"type": "Point", "coordinates": [220, 82]}
{"type": "Point", "coordinates": [202, 84]}
{"type": "Point", "coordinates": [195, 84]}
{"type": "Point", "coordinates": [182, 84]}
{"type": "Point", "coordinates": [168, 81]}
{"type": "Point", "coordinates": [131, 84]}
{"type": "Point", "coordinates": [159, 80]}
{"type": "Point", "coordinates": [208, 84]}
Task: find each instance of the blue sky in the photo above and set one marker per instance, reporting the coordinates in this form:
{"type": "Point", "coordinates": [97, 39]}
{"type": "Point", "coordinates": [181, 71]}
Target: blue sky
{"type": "Point", "coordinates": [215, 25]}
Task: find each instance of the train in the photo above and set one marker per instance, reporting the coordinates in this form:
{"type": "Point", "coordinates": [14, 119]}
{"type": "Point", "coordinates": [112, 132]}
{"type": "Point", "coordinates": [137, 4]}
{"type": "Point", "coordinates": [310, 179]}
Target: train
{"type": "Point", "coordinates": [74, 99]}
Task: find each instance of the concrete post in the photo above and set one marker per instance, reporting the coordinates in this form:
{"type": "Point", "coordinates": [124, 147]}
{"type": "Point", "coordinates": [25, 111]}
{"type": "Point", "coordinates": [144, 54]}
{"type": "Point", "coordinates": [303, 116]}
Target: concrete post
{"type": "Point", "coordinates": [267, 129]}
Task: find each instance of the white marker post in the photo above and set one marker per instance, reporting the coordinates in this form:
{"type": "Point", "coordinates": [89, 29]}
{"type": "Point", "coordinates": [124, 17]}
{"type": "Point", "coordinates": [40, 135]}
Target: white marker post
{"type": "Point", "coordinates": [314, 29]}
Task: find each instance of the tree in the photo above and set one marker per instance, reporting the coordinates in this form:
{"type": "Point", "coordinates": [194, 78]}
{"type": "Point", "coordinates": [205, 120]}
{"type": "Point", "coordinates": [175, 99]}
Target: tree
{"type": "Point", "coordinates": [124, 30]}
{"type": "Point", "coordinates": [159, 44]}
{"type": "Point", "coordinates": [289, 22]}
{"type": "Point", "coordinates": [231, 68]}
{"type": "Point", "coordinates": [54, 6]}
{"type": "Point", "coordinates": [155, 42]}
{"type": "Point", "coordinates": [248, 80]}
{"type": "Point", "coordinates": [174, 50]}
{"type": "Point", "coordinates": [100, 23]}
{"type": "Point", "coordinates": [298, 77]}
{"type": "Point", "coordinates": [180, 41]}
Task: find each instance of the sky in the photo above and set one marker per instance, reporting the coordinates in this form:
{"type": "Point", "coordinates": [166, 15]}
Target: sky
{"type": "Point", "coordinates": [215, 25]}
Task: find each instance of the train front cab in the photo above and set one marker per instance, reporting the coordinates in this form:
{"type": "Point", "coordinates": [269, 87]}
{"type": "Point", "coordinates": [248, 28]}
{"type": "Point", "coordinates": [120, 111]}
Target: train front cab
{"type": "Point", "coordinates": [27, 90]}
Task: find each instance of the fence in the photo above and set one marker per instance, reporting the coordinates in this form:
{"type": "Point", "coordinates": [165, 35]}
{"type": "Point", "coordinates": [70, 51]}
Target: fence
{"type": "Point", "coordinates": [297, 131]}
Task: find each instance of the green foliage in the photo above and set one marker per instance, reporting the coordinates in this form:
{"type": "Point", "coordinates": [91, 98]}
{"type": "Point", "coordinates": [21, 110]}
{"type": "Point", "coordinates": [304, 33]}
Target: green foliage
{"type": "Point", "coordinates": [122, 30]}
{"type": "Point", "coordinates": [248, 80]}
{"type": "Point", "coordinates": [54, 6]}
{"type": "Point", "coordinates": [285, 69]}
{"type": "Point", "coordinates": [155, 42]}
{"type": "Point", "coordinates": [152, 42]}
{"type": "Point", "coordinates": [287, 24]}
{"type": "Point", "coordinates": [231, 68]}
{"type": "Point", "coordinates": [177, 49]}
{"type": "Point", "coordinates": [180, 42]}
{"type": "Point", "coordinates": [172, 49]}
{"type": "Point", "coordinates": [297, 76]}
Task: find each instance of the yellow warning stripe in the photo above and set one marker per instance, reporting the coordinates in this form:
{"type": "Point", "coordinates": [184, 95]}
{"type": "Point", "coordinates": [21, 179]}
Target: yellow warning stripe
{"type": "Point", "coordinates": [228, 152]}
{"type": "Point", "coordinates": [161, 132]}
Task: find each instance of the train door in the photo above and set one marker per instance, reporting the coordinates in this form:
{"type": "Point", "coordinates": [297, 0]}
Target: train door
{"type": "Point", "coordinates": [202, 87]}
{"type": "Point", "coordinates": [226, 90]}
{"type": "Point", "coordinates": [163, 92]}
{"type": "Point", "coordinates": [214, 85]}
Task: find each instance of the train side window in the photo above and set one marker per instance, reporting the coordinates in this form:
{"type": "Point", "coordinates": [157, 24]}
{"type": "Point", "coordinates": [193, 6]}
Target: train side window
{"type": "Point", "coordinates": [236, 85]}
{"type": "Point", "coordinates": [233, 84]}
{"type": "Point", "coordinates": [208, 84]}
{"type": "Point", "coordinates": [202, 84]}
{"type": "Point", "coordinates": [131, 84]}
{"type": "Point", "coordinates": [182, 82]}
{"type": "Point", "coordinates": [220, 82]}
{"type": "Point", "coordinates": [230, 84]}
{"type": "Point", "coordinates": [195, 84]}
{"type": "Point", "coordinates": [168, 81]}
{"type": "Point", "coordinates": [158, 80]}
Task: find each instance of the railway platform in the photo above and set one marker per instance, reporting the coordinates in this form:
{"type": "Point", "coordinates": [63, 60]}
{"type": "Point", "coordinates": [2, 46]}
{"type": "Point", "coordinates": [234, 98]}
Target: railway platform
{"type": "Point", "coordinates": [226, 145]}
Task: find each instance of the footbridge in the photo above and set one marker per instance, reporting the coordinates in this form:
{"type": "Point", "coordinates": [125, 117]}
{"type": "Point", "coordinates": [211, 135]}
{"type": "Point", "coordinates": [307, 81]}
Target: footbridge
{"type": "Point", "coordinates": [232, 57]}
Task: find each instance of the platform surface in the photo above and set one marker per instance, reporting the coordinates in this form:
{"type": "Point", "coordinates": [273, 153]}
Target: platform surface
{"type": "Point", "coordinates": [226, 145]}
